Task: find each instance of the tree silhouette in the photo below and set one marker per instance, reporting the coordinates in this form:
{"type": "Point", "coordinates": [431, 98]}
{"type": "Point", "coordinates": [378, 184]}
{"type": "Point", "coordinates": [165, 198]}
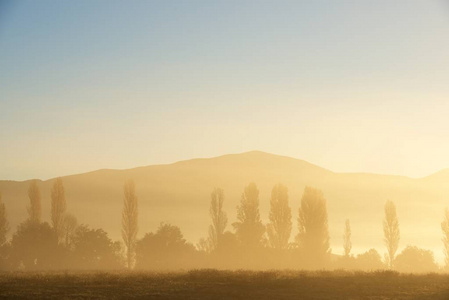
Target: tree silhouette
{"type": "Point", "coordinates": [414, 259]}
{"type": "Point", "coordinates": [347, 245]}
{"type": "Point", "coordinates": [218, 217]}
{"type": "Point", "coordinates": [4, 225]}
{"type": "Point", "coordinates": [280, 226]}
{"type": "Point", "coordinates": [93, 249]}
{"type": "Point", "coordinates": [369, 261]}
{"type": "Point", "coordinates": [35, 246]}
{"type": "Point", "coordinates": [249, 228]}
{"type": "Point", "coordinates": [165, 249]}
{"type": "Point", "coordinates": [129, 222]}
{"type": "Point", "coordinates": [391, 231]}
{"type": "Point", "coordinates": [445, 229]}
{"type": "Point", "coordinates": [69, 226]}
{"type": "Point", "coordinates": [58, 207]}
{"type": "Point", "coordinates": [313, 237]}
{"type": "Point", "coordinates": [4, 228]}
{"type": "Point", "coordinates": [34, 209]}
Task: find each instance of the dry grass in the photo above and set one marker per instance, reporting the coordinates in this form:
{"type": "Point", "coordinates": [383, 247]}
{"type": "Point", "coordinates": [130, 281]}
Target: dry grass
{"type": "Point", "coordinates": [213, 284]}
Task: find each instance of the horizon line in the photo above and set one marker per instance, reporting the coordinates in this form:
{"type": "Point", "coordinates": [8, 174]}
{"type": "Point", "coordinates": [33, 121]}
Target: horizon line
{"type": "Point", "coordinates": [220, 156]}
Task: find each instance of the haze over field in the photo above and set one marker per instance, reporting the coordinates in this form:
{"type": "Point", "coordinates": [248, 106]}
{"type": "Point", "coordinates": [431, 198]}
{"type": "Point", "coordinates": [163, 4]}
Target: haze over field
{"type": "Point", "coordinates": [179, 194]}
{"type": "Point", "coordinates": [231, 137]}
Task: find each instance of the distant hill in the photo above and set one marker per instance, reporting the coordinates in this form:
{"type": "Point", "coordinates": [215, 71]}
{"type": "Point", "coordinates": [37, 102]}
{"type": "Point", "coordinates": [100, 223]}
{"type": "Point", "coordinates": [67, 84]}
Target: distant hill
{"type": "Point", "coordinates": [179, 194]}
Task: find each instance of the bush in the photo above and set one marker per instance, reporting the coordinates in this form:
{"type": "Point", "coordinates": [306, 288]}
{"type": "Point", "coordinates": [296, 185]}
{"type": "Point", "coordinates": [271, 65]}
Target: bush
{"type": "Point", "coordinates": [414, 259]}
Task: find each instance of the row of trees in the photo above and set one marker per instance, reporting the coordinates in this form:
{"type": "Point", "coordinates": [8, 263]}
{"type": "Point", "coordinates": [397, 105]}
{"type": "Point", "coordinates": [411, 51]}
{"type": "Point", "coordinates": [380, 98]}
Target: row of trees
{"type": "Point", "coordinates": [311, 246]}
{"type": "Point", "coordinates": [65, 244]}
{"type": "Point", "coordinates": [253, 244]}
{"type": "Point", "coordinates": [61, 244]}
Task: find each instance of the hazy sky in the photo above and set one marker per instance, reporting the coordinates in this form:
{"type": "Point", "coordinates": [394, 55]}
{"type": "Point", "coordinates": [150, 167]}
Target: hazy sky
{"type": "Point", "coordinates": [347, 85]}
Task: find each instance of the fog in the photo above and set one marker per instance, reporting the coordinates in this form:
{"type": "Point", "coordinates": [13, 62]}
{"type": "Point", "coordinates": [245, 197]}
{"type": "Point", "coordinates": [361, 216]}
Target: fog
{"type": "Point", "coordinates": [247, 211]}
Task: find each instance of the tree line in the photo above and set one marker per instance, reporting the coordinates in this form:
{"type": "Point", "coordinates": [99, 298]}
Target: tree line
{"type": "Point", "coordinates": [65, 244]}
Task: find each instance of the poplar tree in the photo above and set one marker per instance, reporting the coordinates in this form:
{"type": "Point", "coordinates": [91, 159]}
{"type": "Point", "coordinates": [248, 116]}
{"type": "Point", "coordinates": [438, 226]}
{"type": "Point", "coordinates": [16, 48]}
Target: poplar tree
{"type": "Point", "coordinates": [58, 207]}
{"type": "Point", "coordinates": [313, 237]}
{"type": "Point", "coordinates": [129, 222]}
{"type": "Point", "coordinates": [280, 226]}
{"type": "Point", "coordinates": [249, 228]}
{"type": "Point", "coordinates": [34, 209]}
{"type": "Point", "coordinates": [4, 225]}
{"type": "Point", "coordinates": [391, 231]}
{"type": "Point", "coordinates": [347, 245]}
{"type": "Point", "coordinates": [445, 229]}
{"type": "Point", "coordinates": [218, 217]}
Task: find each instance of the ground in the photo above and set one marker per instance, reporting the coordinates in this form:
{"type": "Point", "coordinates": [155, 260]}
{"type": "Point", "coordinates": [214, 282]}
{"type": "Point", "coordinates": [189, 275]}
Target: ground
{"type": "Point", "coordinates": [213, 284]}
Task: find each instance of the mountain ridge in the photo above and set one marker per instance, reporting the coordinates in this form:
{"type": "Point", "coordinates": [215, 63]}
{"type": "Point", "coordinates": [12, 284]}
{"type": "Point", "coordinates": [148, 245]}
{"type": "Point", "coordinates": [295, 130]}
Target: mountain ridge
{"type": "Point", "coordinates": [442, 172]}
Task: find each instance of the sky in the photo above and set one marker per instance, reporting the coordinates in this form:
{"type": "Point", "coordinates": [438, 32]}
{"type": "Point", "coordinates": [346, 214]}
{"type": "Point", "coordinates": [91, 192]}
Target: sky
{"type": "Point", "coordinates": [351, 86]}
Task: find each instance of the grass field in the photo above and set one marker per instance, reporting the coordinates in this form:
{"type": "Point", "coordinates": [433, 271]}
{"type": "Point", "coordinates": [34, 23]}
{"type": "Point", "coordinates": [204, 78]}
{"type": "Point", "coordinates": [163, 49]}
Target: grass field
{"type": "Point", "coordinates": [212, 284]}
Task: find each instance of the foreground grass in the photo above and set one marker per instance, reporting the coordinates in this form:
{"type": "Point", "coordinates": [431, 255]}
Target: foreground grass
{"type": "Point", "coordinates": [213, 284]}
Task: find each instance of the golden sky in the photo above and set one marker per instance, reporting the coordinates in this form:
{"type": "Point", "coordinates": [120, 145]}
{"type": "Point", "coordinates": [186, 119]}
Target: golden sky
{"type": "Point", "coordinates": [352, 87]}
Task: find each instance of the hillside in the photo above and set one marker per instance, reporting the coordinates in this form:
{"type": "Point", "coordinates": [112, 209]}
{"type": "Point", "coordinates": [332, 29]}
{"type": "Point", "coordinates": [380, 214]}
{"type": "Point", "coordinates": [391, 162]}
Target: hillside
{"type": "Point", "coordinates": [179, 193]}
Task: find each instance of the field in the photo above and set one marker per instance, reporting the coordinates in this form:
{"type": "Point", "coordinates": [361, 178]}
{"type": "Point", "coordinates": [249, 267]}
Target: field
{"type": "Point", "coordinates": [213, 284]}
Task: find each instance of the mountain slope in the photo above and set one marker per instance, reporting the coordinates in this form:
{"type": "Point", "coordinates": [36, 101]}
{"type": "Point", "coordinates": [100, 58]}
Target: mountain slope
{"type": "Point", "coordinates": [179, 194]}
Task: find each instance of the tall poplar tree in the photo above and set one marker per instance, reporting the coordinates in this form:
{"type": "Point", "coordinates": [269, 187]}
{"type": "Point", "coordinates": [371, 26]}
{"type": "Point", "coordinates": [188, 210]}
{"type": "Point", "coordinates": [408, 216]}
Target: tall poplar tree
{"type": "Point", "coordinates": [347, 245]}
{"type": "Point", "coordinates": [391, 231]}
{"type": "Point", "coordinates": [218, 217]}
{"type": "Point", "coordinates": [280, 226]}
{"type": "Point", "coordinates": [4, 225]}
{"type": "Point", "coordinates": [34, 209]}
{"type": "Point", "coordinates": [58, 207]}
{"type": "Point", "coordinates": [445, 229]}
{"type": "Point", "coordinates": [313, 237]}
{"type": "Point", "coordinates": [249, 228]}
{"type": "Point", "coordinates": [129, 222]}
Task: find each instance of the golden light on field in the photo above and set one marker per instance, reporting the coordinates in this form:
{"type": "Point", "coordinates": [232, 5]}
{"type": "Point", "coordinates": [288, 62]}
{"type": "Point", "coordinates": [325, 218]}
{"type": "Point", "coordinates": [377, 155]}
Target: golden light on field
{"type": "Point", "coordinates": [198, 149]}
